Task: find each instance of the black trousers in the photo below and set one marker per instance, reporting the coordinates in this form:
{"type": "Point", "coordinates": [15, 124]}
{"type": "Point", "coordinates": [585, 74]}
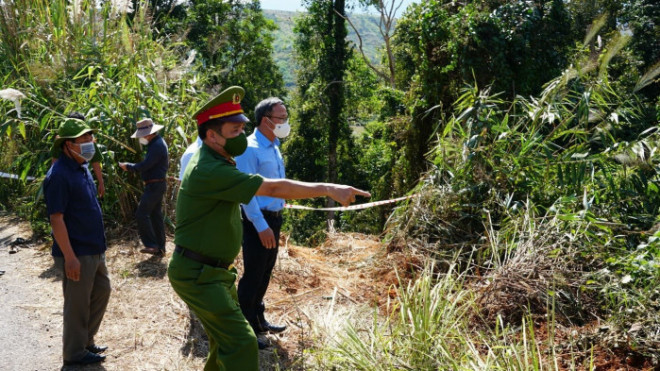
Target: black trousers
{"type": "Point", "coordinates": [149, 215]}
{"type": "Point", "coordinates": [258, 263]}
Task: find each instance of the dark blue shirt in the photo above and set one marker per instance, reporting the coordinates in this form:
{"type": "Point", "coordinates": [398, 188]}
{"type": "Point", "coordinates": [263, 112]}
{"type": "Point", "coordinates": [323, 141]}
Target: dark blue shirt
{"type": "Point", "coordinates": [155, 163]}
{"type": "Point", "coordinates": [69, 189]}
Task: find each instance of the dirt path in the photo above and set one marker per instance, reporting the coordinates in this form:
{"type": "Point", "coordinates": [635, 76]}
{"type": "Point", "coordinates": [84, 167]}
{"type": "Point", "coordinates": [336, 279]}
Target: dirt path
{"type": "Point", "coordinates": [30, 326]}
{"type": "Point", "coordinates": [147, 327]}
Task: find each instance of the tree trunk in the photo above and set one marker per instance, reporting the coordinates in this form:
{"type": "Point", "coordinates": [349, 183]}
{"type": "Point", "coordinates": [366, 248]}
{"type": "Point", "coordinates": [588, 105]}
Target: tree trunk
{"type": "Point", "coordinates": [336, 61]}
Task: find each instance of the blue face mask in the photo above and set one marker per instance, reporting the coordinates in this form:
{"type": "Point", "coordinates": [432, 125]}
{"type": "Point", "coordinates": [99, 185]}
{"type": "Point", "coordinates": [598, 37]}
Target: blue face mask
{"type": "Point", "coordinates": [87, 150]}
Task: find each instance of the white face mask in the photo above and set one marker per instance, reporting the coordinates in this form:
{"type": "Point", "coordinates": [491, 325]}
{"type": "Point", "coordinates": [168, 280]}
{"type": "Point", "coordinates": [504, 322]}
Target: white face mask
{"type": "Point", "coordinates": [87, 150]}
{"type": "Point", "coordinates": [281, 130]}
{"type": "Point", "coordinates": [143, 141]}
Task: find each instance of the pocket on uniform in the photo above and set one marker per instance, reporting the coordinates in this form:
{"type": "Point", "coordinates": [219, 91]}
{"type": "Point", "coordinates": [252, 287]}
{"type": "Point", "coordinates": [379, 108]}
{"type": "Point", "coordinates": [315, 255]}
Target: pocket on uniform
{"type": "Point", "coordinates": [218, 292]}
{"type": "Point", "coordinates": [213, 275]}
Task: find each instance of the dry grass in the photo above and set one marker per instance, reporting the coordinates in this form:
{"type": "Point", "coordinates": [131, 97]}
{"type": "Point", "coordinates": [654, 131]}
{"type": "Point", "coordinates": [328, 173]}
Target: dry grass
{"type": "Point", "coordinates": [148, 327]}
{"type": "Point", "coordinates": [536, 278]}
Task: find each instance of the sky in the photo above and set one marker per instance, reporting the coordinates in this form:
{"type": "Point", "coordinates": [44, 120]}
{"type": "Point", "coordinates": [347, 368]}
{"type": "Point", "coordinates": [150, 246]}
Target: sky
{"type": "Point", "coordinates": [296, 5]}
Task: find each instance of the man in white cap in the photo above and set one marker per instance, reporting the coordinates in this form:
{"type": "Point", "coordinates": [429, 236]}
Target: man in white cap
{"type": "Point", "coordinates": [153, 170]}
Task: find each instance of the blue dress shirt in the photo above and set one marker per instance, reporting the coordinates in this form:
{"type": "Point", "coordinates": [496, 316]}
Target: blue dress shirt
{"type": "Point", "coordinates": [261, 157]}
{"type": "Point", "coordinates": [69, 189]}
{"type": "Point", "coordinates": [188, 154]}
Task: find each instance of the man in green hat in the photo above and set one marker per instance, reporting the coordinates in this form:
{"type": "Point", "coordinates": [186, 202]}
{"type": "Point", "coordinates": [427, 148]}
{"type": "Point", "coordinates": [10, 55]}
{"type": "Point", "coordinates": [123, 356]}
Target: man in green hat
{"type": "Point", "coordinates": [95, 162]}
{"type": "Point", "coordinates": [78, 242]}
{"type": "Point", "coordinates": [209, 230]}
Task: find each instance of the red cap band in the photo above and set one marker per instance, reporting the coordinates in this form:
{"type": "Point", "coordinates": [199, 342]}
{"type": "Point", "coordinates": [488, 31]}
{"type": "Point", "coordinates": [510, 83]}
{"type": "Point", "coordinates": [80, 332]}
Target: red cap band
{"type": "Point", "coordinates": [221, 110]}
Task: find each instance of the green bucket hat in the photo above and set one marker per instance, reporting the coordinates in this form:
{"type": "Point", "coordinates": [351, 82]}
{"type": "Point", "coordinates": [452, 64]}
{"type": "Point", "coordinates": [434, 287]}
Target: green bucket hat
{"type": "Point", "coordinates": [70, 129]}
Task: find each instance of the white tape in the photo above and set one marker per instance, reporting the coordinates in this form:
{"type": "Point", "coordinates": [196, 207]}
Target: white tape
{"type": "Point", "coordinates": [352, 207]}
{"type": "Point", "coordinates": [14, 176]}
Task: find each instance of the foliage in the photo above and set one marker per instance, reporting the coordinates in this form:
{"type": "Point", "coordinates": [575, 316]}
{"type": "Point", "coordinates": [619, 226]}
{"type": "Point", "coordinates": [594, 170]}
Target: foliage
{"type": "Point", "coordinates": [235, 41]}
{"type": "Point", "coordinates": [96, 63]}
{"type": "Point", "coordinates": [583, 151]}
{"type": "Point", "coordinates": [429, 327]}
{"type": "Point", "coordinates": [284, 39]}
{"type": "Point", "coordinates": [322, 49]}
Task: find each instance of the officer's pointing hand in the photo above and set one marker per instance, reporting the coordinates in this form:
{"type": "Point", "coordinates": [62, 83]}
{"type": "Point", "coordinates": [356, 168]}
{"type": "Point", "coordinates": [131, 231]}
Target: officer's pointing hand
{"type": "Point", "coordinates": [345, 195]}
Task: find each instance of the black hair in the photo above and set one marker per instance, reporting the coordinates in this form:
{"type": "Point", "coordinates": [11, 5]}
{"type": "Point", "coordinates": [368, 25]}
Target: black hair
{"type": "Point", "coordinates": [265, 108]}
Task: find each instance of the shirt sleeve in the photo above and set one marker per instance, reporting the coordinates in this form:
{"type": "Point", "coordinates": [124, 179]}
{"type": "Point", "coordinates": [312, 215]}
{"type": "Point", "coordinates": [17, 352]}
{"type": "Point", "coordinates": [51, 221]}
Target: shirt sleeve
{"type": "Point", "coordinates": [150, 160]}
{"type": "Point", "coordinates": [255, 215]}
{"type": "Point", "coordinates": [184, 162]}
{"type": "Point", "coordinates": [222, 182]}
{"type": "Point", "coordinates": [248, 163]}
{"type": "Point", "coordinates": [56, 193]}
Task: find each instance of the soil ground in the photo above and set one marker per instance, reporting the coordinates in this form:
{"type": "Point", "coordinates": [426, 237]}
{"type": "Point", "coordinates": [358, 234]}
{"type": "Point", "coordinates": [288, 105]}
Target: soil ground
{"type": "Point", "coordinates": [147, 327]}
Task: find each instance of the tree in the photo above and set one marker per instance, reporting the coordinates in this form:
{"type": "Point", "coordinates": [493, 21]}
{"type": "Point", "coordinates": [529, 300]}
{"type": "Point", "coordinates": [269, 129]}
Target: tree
{"type": "Point", "coordinates": [235, 42]}
{"type": "Point", "coordinates": [386, 20]}
{"type": "Point", "coordinates": [318, 151]}
{"type": "Point", "coordinates": [513, 46]}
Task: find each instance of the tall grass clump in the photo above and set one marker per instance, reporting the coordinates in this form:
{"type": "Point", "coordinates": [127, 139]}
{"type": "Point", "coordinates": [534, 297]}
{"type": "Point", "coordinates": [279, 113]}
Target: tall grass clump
{"type": "Point", "coordinates": [520, 314]}
{"type": "Point", "coordinates": [584, 151]}
{"type": "Point", "coordinates": [430, 327]}
{"type": "Point", "coordinates": [101, 60]}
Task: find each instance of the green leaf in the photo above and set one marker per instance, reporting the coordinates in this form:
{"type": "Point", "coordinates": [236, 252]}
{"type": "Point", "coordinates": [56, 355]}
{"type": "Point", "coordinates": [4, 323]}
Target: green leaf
{"type": "Point", "coordinates": [21, 129]}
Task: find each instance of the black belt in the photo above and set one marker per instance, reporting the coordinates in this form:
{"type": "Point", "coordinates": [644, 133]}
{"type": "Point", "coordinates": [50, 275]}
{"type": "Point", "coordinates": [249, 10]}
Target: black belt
{"type": "Point", "coordinates": [272, 214]}
{"type": "Point", "coordinates": [201, 258]}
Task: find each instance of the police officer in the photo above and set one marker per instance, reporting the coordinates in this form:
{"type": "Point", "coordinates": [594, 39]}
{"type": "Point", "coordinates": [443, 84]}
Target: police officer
{"type": "Point", "coordinates": [209, 231]}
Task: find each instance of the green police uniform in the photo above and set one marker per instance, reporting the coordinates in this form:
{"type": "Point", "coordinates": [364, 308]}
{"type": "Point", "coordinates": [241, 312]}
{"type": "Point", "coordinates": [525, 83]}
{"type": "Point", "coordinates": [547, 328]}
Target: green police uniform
{"type": "Point", "coordinates": [209, 225]}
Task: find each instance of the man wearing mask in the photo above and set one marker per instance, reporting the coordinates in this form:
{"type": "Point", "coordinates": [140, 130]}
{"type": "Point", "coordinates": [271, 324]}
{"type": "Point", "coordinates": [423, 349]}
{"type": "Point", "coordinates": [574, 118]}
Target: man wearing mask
{"type": "Point", "coordinates": [95, 161]}
{"type": "Point", "coordinates": [209, 232]}
{"type": "Point", "coordinates": [153, 170]}
{"type": "Point", "coordinates": [79, 242]}
{"type": "Point", "coordinates": [262, 216]}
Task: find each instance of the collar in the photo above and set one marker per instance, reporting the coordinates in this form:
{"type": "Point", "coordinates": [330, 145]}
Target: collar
{"type": "Point", "coordinates": [209, 151]}
{"type": "Point", "coordinates": [263, 141]}
{"type": "Point", "coordinates": [69, 162]}
{"type": "Point", "coordinates": [153, 140]}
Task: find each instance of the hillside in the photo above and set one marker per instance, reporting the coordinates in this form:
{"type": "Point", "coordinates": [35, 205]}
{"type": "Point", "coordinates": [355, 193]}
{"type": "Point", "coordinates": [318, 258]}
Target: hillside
{"type": "Point", "coordinates": [284, 39]}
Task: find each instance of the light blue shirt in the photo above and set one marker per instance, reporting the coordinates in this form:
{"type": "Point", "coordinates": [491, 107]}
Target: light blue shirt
{"type": "Point", "coordinates": [261, 157]}
{"type": "Point", "coordinates": [187, 155]}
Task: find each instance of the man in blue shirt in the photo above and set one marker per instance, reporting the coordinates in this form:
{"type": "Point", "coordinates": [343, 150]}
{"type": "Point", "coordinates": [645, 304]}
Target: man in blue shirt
{"type": "Point", "coordinates": [188, 154]}
{"type": "Point", "coordinates": [153, 170]}
{"type": "Point", "coordinates": [79, 242]}
{"type": "Point", "coordinates": [262, 216]}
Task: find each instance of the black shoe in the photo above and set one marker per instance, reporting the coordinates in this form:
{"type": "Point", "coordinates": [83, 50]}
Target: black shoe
{"type": "Point", "coordinates": [96, 349]}
{"type": "Point", "coordinates": [262, 344]}
{"type": "Point", "coordinates": [269, 327]}
{"type": "Point", "coordinates": [88, 359]}
{"type": "Point", "coordinates": [151, 250]}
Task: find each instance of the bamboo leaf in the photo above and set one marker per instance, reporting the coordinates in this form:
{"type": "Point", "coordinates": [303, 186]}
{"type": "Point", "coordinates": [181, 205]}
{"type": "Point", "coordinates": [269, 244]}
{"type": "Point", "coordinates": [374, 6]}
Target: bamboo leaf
{"type": "Point", "coordinates": [21, 129]}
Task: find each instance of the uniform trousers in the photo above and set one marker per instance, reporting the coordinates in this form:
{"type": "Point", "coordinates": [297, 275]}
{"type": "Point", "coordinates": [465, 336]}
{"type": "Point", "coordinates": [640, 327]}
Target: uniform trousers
{"type": "Point", "coordinates": [258, 264]}
{"type": "Point", "coordinates": [85, 302]}
{"type": "Point", "coordinates": [210, 293]}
